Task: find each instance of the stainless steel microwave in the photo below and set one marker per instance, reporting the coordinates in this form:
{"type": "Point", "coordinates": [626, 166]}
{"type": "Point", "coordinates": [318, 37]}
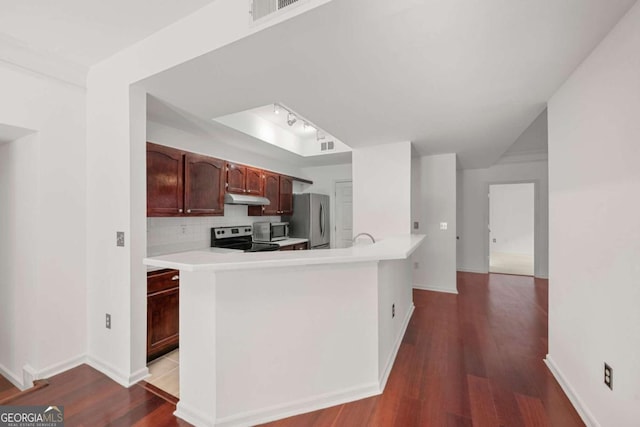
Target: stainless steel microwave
{"type": "Point", "coordinates": [270, 231]}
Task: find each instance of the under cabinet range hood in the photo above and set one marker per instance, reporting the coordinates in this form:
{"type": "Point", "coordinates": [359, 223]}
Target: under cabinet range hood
{"type": "Point", "coordinates": [243, 199]}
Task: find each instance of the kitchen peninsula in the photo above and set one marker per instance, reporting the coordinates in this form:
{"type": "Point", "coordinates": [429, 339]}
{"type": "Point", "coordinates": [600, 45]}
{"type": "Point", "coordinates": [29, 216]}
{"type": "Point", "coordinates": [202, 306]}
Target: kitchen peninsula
{"type": "Point", "coordinates": [270, 334]}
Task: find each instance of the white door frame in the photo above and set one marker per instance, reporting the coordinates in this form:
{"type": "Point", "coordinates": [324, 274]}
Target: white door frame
{"type": "Point", "coordinates": [536, 222]}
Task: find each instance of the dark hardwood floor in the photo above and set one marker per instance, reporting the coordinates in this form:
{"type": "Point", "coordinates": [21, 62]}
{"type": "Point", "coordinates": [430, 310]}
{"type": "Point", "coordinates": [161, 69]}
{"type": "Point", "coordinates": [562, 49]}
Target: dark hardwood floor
{"type": "Point", "coordinates": [474, 359]}
{"type": "Point", "coordinates": [7, 389]}
{"type": "Point", "coordinates": [91, 399]}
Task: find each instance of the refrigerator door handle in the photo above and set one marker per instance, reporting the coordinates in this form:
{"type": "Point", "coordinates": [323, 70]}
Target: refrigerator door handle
{"type": "Point", "coordinates": [321, 219]}
{"type": "Point", "coordinates": [324, 221]}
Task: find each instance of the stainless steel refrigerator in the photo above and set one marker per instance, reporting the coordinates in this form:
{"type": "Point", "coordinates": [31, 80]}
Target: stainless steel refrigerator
{"type": "Point", "coordinates": [310, 219]}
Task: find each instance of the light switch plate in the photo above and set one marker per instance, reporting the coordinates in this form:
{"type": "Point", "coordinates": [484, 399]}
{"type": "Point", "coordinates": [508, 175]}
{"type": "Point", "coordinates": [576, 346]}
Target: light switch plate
{"type": "Point", "coordinates": [120, 238]}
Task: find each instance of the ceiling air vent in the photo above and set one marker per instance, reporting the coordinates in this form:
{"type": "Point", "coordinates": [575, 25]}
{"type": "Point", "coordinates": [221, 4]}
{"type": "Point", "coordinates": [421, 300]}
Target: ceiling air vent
{"type": "Point", "coordinates": [262, 8]}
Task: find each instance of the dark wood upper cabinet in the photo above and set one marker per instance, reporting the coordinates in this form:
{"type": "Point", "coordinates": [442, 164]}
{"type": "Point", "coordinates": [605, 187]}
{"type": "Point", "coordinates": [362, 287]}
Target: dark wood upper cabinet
{"type": "Point", "coordinates": [180, 183]}
{"type": "Point", "coordinates": [286, 195]}
{"type": "Point", "coordinates": [204, 185]}
{"type": "Point", "coordinates": [236, 178]}
{"type": "Point", "coordinates": [279, 190]}
{"type": "Point", "coordinates": [271, 192]}
{"type": "Point", "coordinates": [244, 179]}
{"type": "Point", "coordinates": [165, 189]}
{"type": "Point", "coordinates": [254, 184]}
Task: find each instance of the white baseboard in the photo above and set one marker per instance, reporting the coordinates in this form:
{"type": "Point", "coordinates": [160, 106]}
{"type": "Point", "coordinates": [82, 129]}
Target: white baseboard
{"type": "Point", "coordinates": [472, 270]}
{"type": "Point", "coordinates": [392, 357]}
{"type": "Point", "coordinates": [295, 408]}
{"type": "Point", "coordinates": [60, 367]}
{"type": "Point", "coordinates": [30, 374]}
{"type": "Point", "coordinates": [583, 411]}
{"type": "Point", "coordinates": [192, 416]}
{"type": "Point", "coordinates": [124, 379]}
{"type": "Point", "coordinates": [12, 377]}
{"type": "Point", "coordinates": [435, 288]}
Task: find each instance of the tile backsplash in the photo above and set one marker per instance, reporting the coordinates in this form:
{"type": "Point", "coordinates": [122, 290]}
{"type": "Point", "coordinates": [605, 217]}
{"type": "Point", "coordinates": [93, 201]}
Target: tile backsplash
{"type": "Point", "coordinates": [166, 235]}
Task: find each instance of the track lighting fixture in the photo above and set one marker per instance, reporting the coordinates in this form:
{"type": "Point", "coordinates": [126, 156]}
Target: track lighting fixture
{"type": "Point", "coordinates": [276, 108]}
{"type": "Point", "coordinates": [291, 119]}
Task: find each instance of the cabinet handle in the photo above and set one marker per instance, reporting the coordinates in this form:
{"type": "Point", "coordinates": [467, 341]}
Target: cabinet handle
{"type": "Point", "coordinates": [180, 210]}
{"type": "Point", "coordinates": [176, 277]}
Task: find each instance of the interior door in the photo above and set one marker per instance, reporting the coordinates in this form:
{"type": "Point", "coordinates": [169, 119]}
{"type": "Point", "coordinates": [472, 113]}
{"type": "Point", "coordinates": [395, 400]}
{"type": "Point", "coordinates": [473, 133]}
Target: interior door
{"type": "Point", "coordinates": [344, 214]}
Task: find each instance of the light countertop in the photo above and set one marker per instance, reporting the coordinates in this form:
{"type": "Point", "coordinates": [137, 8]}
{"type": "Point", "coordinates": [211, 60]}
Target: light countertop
{"type": "Point", "coordinates": [290, 241]}
{"type": "Point", "coordinates": [211, 259]}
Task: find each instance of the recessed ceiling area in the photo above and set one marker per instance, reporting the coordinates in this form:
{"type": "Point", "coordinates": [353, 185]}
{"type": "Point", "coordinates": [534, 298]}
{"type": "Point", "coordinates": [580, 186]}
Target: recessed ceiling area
{"type": "Point", "coordinates": [451, 77]}
{"type": "Point", "coordinates": [283, 127]}
{"type": "Point", "coordinates": [161, 113]}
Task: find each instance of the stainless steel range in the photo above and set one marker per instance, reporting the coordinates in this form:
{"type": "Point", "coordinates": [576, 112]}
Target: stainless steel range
{"type": "Point", "coordinates": [238, 238]}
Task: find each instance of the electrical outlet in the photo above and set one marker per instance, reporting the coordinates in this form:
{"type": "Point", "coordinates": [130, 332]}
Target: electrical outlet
{"type": "Point", "coordinates": [393, 311]}
{"type": "Point", "coordinates": [608, 376]}
{"type": "Point", "coordinates": [120, 238]}
{"type": "Point", "coordinates": [416, 225]}
{"type": "Point", "coordinates": [443, 226]}
{"type": "Point", "coordinates": [107, 323]}
{"type": "Point", "coordinates": [416, 265]}
{"type": "Point", "coordinates": [494, 240]}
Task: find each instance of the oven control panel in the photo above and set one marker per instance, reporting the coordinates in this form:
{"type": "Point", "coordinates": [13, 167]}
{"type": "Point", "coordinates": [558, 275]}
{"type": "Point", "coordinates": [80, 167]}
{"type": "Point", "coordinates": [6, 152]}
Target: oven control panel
{"type": "Point", "coordinates": [227, 232]}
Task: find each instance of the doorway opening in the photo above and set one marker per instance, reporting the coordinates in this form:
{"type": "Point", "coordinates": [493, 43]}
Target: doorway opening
{"type": "Point", "coordinates": [511, 228]}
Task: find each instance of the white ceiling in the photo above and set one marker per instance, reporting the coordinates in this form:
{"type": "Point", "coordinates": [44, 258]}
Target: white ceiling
{"type": "Point", "coordinates": [87, 31]}
{"type": "Point", "coordinates": [450, 76]}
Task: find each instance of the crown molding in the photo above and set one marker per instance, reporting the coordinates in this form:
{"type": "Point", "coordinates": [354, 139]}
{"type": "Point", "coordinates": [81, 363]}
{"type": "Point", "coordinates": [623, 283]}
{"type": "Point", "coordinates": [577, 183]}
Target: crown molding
{"type": "Point", "coordinates": [16, 53]}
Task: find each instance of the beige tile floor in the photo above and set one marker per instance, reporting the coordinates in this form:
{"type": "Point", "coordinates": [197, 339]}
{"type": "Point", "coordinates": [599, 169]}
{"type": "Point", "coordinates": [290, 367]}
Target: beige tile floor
{"type": "Point", "coordinates": [506, 263]}
{"type": "Point", "coordinates": [165, 373]}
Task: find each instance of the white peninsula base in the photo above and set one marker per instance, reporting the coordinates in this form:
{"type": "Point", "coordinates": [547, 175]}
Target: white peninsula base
{"type": "Point", "coordinates": [266, 342]}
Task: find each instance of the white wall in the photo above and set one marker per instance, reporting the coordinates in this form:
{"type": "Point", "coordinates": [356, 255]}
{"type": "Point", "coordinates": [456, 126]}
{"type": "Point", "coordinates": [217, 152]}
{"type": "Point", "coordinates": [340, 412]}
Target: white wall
{"type": "Point", "coordinates": [473, 213]}
{"type": "Point", "coordinates": [394, 290]}
{"type": "Point", "coordinates": [324, 182]}
{"type": "Point", "coordinates": [382, 189]}
{"type": "Point", "coordinates": [116, 175]}
{"type": "Point", "coordinates": [434, 202]}
{"type": "Point", "coordinates": [511, 218]}
{"type": "Point", "coordinates": [594, 182]}
{"type": "Point", "coordinates": [42, 249]}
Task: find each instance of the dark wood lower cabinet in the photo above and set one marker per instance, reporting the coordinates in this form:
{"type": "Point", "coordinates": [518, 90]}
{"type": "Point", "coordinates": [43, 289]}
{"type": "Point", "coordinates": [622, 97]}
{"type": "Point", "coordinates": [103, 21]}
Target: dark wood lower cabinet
{"type": "Point", "coordinates": [296, 247]}
{"type": "Point", "coordinates": [163, 289]}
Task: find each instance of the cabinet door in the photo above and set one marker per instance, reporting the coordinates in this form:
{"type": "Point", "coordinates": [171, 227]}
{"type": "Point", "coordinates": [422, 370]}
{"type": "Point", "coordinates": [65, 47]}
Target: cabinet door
{"type": "Point", "coordinates": [162, 322]}
{"type": "Point", "coordinates": [204, 185]}
{"type": "Point", "coordinates": [254, 182]}
{"type": "Point", "coordinates": [272, 192]}
{"type": "Point", "coordinates": [286, 195]}
{"type": "Point", "coordinates": [236, 178]}
{"type": "Point", "coordinates": [165, 189]}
